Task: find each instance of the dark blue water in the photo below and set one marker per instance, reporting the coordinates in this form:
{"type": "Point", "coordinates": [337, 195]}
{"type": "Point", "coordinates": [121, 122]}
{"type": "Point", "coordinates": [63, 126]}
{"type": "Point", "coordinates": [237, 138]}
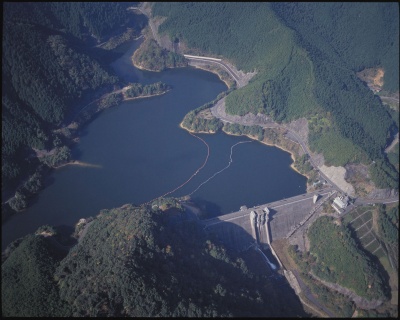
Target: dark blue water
{"type": "Point", "coordinates": [142, 153]}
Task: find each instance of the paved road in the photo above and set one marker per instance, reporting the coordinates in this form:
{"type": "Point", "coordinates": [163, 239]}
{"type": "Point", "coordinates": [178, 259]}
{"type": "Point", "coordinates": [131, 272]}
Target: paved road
{"type": "Point", "coordinates": [364, 201]}
{"type": "Point", "coordinates": [240, 82]}
{"type": "Point", "coordinates": [234, 75]}
{"type": "Point", "coordinates": [151, 24]}
{"type": "Point", "coordinates": [390, 98]}
{"type": "Point", "coordinates": [218, 113]}
{"type": "Point", "coordinates": [271, 205]}
{"type": "Point", "coordinates": [296, 138]}
{"type": "Point", "coordinates": [310, 296]}
{"type": "Point", "coordinates": [294, 134]}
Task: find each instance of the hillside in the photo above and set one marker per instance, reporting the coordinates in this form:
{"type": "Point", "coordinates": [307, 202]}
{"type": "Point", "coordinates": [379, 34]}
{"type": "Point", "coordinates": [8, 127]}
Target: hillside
{"type": "Point", "coordinates": [50, 67]}
{"type": "Point", "coordinates": [137, 261]}
{"type": "Point", "coordinates": [306, 57]}
{"type": "Point", "coordinates": [336, 257]}
{"type": "Point", "coordinates": [351, 262]}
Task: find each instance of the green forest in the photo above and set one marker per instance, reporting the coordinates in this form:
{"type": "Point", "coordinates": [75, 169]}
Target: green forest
{"type": "Point", "coordinates": [152, 260]}
{"type": "Point", "coordinates": [306, 56]}
{"type": "Point", "coordinates": [138, 89]}
{"type": "Point", "coordinates": [388, 224]}
{"type": "Point", "coordinates": [341, 253]}
{"type": "Point", "coordinates": [151, 56]}
{"type": "Point", "coordinates": [336, 257]}
{"type": "Point", "coordinates": [50, 65]}
{"type": "Point", "coordinates": [137, 262]}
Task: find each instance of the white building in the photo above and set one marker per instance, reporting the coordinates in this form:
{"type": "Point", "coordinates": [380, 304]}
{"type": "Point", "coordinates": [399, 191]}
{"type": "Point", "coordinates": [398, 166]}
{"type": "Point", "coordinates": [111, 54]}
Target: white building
{"type": "Point", "coordinates": [340, 203]}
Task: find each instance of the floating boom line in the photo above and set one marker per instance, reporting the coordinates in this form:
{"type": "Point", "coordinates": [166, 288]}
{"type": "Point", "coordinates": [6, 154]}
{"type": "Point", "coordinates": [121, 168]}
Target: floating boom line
{"type": "Point", "coordinates": [220, 171]}
{"type": "Point", "coordinates": [192, 176]}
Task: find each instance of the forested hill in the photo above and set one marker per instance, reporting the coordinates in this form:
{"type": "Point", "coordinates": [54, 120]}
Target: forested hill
{"type": "Point", "coordinates": [306, 56]}
{"type": "Point", "coordinates": [139, 262]}
{"type": "Point", "coordinates": [50, 63]}
{"type": "Point", "coordinates": [80, 19]}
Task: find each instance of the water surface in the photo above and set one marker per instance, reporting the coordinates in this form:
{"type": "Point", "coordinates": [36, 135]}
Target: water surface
{"type": "Point", "coordinates": [142, 153]}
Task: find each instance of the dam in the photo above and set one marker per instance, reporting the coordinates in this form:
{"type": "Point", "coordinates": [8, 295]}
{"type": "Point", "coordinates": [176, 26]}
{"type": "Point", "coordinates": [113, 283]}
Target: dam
{"type": "Point", "coordinates": [265, 223]}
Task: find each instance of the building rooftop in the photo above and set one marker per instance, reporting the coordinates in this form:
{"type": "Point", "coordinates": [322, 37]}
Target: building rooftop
{"type": "Point", "coordinates": [341, 203]}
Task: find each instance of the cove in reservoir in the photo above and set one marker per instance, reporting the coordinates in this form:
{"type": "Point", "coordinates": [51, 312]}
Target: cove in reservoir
{"type": "Point", "coordinates": [140, 153]}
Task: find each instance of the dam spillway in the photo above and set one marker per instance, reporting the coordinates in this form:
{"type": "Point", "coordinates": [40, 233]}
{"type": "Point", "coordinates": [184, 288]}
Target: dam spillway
{"type": "Point", "coordinates": [242, 229]}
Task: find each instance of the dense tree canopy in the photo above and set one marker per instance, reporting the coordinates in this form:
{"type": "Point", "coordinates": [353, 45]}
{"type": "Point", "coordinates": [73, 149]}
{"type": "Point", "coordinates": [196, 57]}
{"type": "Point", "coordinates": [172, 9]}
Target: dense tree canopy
{"type": "Point", "coordinates": [151, 56]}
{"type": "Point", "coordinates": [340, 260]}
{"type": "Point", "coordinates": [137, 261]}
{"type": "Point", "coordinates": [27, 287]}
{"type": "Point", "coordinates": [138, 89]}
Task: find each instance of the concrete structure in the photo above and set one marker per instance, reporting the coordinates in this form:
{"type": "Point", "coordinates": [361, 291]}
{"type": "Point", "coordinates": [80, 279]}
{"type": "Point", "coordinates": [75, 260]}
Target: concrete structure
{"type": "Point", "coordinates": [262, 224]}
{"type": "Point", "coordinates": [259, 226]}
{"type": "Point", "coordinates": [340, 203]}
{"type": "Point", "coordinates": [262, 228]}
{"type": "Point", "coordinates": [253, 223]}
{"type": "Point", "coordinates": [235, 74]}
{"type": "Point", "coordinates": [315, 198]}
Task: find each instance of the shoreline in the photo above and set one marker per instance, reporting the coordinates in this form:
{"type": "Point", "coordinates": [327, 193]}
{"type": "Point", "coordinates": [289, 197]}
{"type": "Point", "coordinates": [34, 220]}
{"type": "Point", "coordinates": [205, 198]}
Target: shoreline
{"type": "Point", "coordinates": [148, 96]}
{"type": "Point", "coordinates": [137, 66]}
{"type": "Point", "coordinates": [215, 72]}
{"type": "Point", "coordinates": [192, 131]}
{"type": "Point", "coordinates": [144, 69]}
{"type": "Point", "coordinates": [292, 154]}
{"type": "Point", "coordinates": [78, 163]}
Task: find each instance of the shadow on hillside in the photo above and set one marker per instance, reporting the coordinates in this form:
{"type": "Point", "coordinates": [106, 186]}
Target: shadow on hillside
{"type": "Point", "coordinates": [208, 209]}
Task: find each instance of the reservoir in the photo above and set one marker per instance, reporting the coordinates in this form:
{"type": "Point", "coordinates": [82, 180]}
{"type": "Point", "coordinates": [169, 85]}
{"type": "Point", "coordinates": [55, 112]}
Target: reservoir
{"type": "Point", "coordinates": [139, 152]}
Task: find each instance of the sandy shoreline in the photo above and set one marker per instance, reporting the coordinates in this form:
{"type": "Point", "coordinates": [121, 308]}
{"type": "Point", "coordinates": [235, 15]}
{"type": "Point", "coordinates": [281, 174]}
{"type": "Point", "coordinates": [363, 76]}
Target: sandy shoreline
{"type": "Point", "coordinates": [192, 131]}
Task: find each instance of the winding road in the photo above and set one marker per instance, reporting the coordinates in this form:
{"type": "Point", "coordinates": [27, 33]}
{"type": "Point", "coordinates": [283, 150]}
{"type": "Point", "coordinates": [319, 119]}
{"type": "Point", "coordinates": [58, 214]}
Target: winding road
{"type": "Point", "coordinates": [239, 81]}
{"type": "Point", "coordinates": [151, 23]}
{"type": "Point", "coordinates": [218, 111]}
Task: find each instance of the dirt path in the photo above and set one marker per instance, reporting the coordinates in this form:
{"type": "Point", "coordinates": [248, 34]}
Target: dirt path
{"type": "Point", "coordinates": [392, 145]}
{"type": "Point", "coordinates": [84, 231]}
{"type": "Point", "coordinates": [359, 301]}
{"type": "Point", "coordinates": [309, 295]}
{"type": "Point", "coordinates": [249, 119]}
{"type": "Point", "coordinates": [390, 98]}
